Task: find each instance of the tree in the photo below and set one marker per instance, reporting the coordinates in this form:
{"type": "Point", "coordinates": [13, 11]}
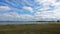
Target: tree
{"type": "Point", "coordinates": [58, 21]}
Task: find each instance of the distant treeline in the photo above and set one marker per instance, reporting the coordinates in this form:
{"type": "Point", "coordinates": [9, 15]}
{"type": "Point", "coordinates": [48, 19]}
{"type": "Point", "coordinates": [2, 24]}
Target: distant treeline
{"type": "Point", "coordinates": [30, 21]}
{"type": "Point", "coordinates": [48, 21]}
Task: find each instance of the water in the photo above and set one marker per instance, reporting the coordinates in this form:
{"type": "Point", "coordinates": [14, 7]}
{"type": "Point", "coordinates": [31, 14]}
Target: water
{"type": "Point", "coordinates": [15, 22]}
{"type": "Point", "coordinates": [21, 22]}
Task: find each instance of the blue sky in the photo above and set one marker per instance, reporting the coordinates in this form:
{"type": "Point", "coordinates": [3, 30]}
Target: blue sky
{"type": "Point", "coordinates": [29, 10]}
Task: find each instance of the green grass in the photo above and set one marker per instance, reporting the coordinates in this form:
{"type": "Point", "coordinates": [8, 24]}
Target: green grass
{"type": "Point", "coordinates": [30, 29]}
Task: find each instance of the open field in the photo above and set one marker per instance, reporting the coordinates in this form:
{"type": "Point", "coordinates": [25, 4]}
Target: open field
{"type": "Point", "coordinates": [30, 29]}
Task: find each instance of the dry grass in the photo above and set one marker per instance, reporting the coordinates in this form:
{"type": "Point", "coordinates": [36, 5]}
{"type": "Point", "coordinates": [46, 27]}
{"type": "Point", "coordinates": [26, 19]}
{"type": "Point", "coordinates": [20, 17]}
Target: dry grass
{"type": "Point", "coordinates": [30, 29]}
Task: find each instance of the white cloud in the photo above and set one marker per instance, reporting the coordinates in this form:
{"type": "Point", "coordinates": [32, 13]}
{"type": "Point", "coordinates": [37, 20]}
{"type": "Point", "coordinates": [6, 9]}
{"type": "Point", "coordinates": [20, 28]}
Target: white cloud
{"type": "Point", "coordinates": [57, 13]}
{"type": "Point", "coordinates": [4, 8]}
{"type": "Point", "coordinates": [43, 1]}
{"type": "Point", "coordinates": [28, 8]}
{"type": "Point", "coordinates": [43, 14]}
{"type": "Point", "coordinates": [13, 16]}
{"type": "Point", "coordinates": [47, 3]}
{"type": "Point", "coordinates": [26, 17]}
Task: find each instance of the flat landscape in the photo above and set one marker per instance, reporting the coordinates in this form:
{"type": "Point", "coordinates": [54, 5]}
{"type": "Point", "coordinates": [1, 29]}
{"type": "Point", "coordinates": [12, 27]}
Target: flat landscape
{"type": "Point", "coordinates": [53, 28]}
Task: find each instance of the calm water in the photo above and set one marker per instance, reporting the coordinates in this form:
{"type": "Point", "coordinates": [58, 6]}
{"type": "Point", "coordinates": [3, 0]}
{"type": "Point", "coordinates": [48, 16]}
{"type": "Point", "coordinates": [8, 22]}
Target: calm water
{"type": "Point", "coordinates": [15, 22]}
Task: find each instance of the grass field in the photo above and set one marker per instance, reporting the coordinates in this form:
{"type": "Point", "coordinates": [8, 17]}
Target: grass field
{"type": "Point", "coordinates": [30, 29]}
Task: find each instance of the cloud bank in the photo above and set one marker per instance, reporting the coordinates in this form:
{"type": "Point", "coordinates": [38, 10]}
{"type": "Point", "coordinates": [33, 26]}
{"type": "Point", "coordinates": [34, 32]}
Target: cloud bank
{"type": "Point", "coordinates": [40, 9]}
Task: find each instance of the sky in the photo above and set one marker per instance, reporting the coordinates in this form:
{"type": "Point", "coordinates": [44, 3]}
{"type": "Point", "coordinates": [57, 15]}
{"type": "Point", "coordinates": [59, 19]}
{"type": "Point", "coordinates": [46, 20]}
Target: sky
{"type": "Point", "coordinates": [29, 10]}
